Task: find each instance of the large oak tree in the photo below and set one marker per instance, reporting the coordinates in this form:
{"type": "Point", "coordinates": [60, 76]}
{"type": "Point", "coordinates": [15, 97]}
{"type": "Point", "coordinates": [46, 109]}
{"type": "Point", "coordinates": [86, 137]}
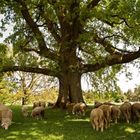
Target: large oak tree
{"type": "Point", "coordinates": [68, 38]}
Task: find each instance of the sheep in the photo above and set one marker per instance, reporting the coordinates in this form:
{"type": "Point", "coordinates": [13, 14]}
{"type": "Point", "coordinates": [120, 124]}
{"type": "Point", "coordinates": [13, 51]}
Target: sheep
{"type": "Point", "coordinates": [69, 107]}
{"type": "Point", "coordinates": [126, 111]}
{"type": "Point", "coordinates": [25, 111]}
{"type": "Point", "coordinates": [38, 112]}
{"type": "Point", "coordinates": [6, 118]}
{"type": "Point", "coordinates": [79, 109]}
{"type": "Point", "coordinates": [115, 113]}
{"type": "Point", "coordinates": [2, 108]}
{"type": "Point", "coordinates": [135, 111]}
{"type": "Point", "coordinates": [107, 114]}
{"type": "Point", "coordinates": [108, 103]}
{"type": "Point", "coordinates": [97, 119]}
{"type": "Point", "coordinates": [97, 104]}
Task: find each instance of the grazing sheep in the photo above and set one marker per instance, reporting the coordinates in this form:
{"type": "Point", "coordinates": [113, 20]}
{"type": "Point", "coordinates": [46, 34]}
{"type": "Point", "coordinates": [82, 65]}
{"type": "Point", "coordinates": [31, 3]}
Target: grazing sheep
{"type": "Point", "coordinates": [2, 108]}
{"type": "Point", "coordinates": [38, 112]}
{"type": "Point", "coordinates": [107, 114]}
{"type": "Point", "coordinates": [69, 107]}
{"type": "Point", "coordinates": [97, 119]}
{"type": "Point", "coordinates": [108, 103]}
{"type": "Point", "coordinates": [25, 111]}
{"type": "Point", "coordinates": [126, 111]}
{"type": "Point", "coordinates": [6, 118]}
{"type": "Point", "coordinates": [97, 104]}
{"type": "Point", "coordinates": [135, 111]}
{"type": "Point", "coordinates": [79, 109]}
{"type": "Point", "coordinates": [115, 113]}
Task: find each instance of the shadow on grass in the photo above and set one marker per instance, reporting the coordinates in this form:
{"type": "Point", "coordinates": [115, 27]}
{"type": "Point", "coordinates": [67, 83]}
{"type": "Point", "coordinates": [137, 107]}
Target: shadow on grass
{"type": "Point", "coordinates": [58, 125]}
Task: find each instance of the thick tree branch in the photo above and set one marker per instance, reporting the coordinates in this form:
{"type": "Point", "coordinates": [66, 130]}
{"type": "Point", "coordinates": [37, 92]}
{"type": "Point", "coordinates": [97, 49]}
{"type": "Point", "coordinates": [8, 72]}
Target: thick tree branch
{"type": "Point", "coordinates": [50, 24]}
{"type": "Point", "coordinates": [52, 27]}
{"type": "Point", "coordinates": [24, 48]}
{"type": "Point", "coordinates": [29, 69]}
{"type": "Point", "coordinates": [44, 51]}
{"type": "Point", "coordinates": [108, 46]}
{"type": "Point", "coordinates": [111, 60]}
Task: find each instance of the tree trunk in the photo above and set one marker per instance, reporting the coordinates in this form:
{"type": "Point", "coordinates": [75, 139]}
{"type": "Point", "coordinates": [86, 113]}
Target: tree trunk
{"type": "Point", "coordinates": [69, 89]}
{"type": "Point", "coordinates": [23, 101]}
{"type": "Point", "coordinates": [70, 75]}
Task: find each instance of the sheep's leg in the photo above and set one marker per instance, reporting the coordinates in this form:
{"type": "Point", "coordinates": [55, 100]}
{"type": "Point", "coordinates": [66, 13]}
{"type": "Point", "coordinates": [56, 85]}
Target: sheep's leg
{"type": "Point", "coordinates": [93, 124]}
{"type": "Point", "coordinates": [102, 126]}
{"type": "Point", "coordinates": [105, 120]}
{"type": "Point", "coordinates": [96, 125]}
{"type": "Point", "coordinates": [108, 119]}
{"type": "Point", "coordinates": [126, 116]}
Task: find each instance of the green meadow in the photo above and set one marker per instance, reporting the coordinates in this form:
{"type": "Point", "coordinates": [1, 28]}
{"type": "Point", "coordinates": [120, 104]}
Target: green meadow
{"type": "Point", "coordinates": [59, 125]}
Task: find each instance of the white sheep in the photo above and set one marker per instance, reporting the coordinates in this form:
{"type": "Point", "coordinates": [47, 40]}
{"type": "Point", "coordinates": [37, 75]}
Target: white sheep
{"type": "Point", "coordinates": [38, 112]}
{"type": "Point", "coordinates": [115, 113]}
{"type": "Point", "coordinates": [5, 116]}
{"type": "Point", "coordinates": [97, 119]}
{"type": "Point", "coordinates": [79, 109]}
{"type": "Point", "coordinates": [126, 111]}
{"type": "Point", "coordinates": [107, 114]}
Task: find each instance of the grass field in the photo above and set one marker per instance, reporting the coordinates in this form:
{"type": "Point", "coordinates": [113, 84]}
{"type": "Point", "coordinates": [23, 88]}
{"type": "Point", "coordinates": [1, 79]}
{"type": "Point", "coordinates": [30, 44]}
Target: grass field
{"type": "Point", "coordinates": [58, 125]}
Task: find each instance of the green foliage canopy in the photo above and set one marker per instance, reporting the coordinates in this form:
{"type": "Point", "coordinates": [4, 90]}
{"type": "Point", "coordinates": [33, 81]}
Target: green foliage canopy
{"type": "Point", "coordinates": [102, 33]}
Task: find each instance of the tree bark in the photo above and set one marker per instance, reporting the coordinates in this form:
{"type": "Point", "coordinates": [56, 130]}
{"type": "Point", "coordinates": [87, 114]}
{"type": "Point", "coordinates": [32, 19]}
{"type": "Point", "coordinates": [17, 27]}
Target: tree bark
{"type": "Point", "coordinates": [24, 98]}
{"type": "Point", "coordinates": [23, 101]}
{"type": "Point", "coordinates": [69, 89]}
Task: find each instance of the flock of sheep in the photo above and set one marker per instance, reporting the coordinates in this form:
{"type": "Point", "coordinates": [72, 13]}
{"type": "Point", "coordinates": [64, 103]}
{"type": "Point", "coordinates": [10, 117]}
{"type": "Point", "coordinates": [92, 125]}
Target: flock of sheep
{"type": "Point", "coordinates": [104, 113]}
{"type": "Point", "coordinates": [101, 115]}
{"type": "Point", "coordinates": [6, 113]}
{"type": "Point", "coordinates": [38, 110]}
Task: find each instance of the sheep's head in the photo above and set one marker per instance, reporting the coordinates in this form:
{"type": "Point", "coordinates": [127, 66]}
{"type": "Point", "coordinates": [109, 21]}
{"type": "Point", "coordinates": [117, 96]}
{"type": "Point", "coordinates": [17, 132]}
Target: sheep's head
{"type": "Point", "coordinates": [6, 122]}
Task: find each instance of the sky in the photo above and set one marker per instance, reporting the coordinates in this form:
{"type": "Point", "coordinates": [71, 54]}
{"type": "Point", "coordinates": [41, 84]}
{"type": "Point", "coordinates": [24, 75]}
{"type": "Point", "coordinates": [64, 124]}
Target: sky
{"type": "Point", "coordinates": [123, 82]}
